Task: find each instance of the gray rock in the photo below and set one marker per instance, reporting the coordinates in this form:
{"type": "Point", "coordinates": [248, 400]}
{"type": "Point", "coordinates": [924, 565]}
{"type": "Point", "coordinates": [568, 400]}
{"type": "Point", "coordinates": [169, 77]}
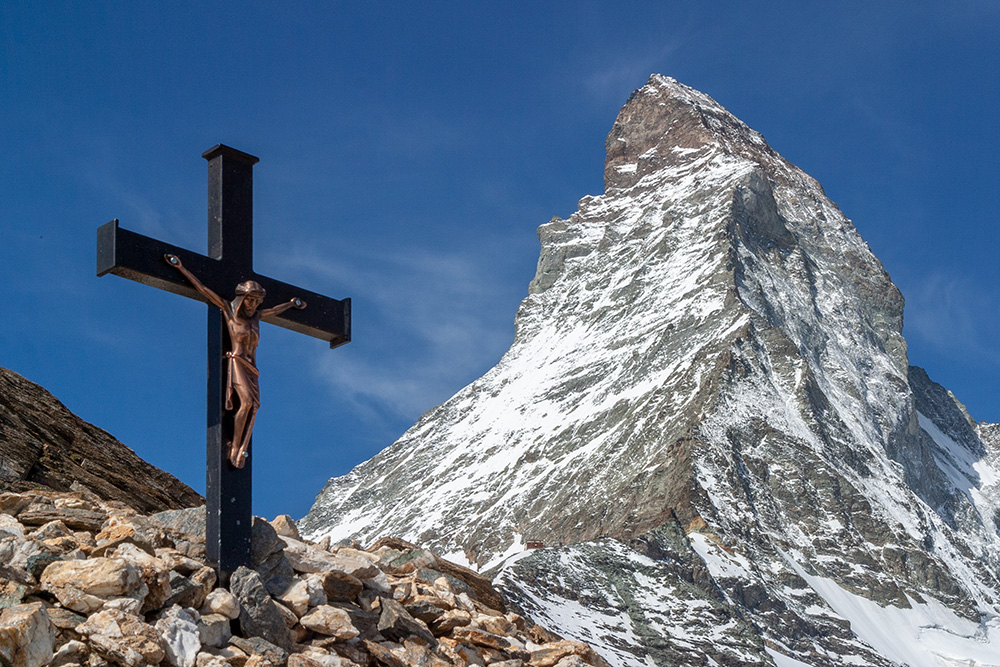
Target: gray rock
{"type": "Point", "coordinates": [384, 654]}
{"type": "Point", "coordinates": [214, 630]}
{"type": "Point", "coordinates": [186, 529]}
{"type": "Point", "coordinates": [365, 621]}
{"type": "Point", "coordinates": [276, 655]}
{"type": "Point", "coordinates": [15, 585]}
{"type": "Point", "coordinates": [64, 619]}
{"type": "Point", "coordinates": [75, 518]}
{"type": "Point", "coordinates": [184, 591]}
{"type": "Point", "coordinates": [265, 542]}
{"type": "Point", "coordinates": [396, 624]}
{"type": "Point", "coordinates": [340, 585]}
{"type": "Point", "coordinates": [258, 615]}
{"type": "Point", "coordinates": [72, 651]}
{"type": "Point", "coordinates": [424, 610]}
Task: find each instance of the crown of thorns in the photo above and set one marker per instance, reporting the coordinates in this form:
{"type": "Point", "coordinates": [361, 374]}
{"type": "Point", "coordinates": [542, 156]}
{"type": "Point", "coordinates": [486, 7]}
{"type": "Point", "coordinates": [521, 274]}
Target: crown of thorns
{"type": "Point", "coordinates": [249, 287]}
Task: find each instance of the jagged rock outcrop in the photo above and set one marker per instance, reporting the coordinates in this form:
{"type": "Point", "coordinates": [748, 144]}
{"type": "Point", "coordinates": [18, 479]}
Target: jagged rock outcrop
{"type": "Point", "coordinates": [709, 418]}
{"type": "Point", "coordinates": [44, 445]}
{"type": "Point", "coordinates": [133, 590]}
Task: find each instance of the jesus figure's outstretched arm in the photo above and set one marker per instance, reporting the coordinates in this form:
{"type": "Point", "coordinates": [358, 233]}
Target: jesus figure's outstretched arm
{"type": "Point", "coordinates": [213, 298]}
{"type": "Point", "coordinates": [282, 307]}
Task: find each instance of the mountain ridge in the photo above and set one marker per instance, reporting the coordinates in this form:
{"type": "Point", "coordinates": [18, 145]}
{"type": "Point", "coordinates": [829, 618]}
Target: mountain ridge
{"type": "Point", "coordinates": [44, 445]}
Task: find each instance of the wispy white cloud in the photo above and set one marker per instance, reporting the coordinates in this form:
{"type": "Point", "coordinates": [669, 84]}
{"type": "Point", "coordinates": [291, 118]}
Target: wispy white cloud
{"type": "Point", "coordinates": [416, 136]}
{"type": "Point", "coordinates": [954, 315]}
{"type": "Point", "coordinates": [614, 77]}
{"type": "Point", "coordinates": [107, 176]}
{"type": "Point", "coordinates": [426, 323]}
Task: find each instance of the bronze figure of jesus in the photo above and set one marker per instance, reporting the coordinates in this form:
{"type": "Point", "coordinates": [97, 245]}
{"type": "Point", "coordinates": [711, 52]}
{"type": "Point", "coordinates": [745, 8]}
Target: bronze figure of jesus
{"type": "Point", "coordinates": [243, 322]}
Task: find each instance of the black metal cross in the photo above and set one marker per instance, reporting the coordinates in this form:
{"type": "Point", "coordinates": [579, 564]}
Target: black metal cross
{"type": "Point", "coordinates": [229, 262]}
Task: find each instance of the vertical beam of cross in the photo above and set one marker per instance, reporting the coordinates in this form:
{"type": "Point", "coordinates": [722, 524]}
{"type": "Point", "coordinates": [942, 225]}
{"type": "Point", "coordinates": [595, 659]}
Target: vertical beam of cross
{"type": "Point", "coordinates": [228, 490]}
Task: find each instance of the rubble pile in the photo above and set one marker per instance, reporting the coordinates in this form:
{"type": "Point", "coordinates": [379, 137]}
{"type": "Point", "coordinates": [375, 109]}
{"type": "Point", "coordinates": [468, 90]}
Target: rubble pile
{"type": "Point", "coordinates": [94, 583]}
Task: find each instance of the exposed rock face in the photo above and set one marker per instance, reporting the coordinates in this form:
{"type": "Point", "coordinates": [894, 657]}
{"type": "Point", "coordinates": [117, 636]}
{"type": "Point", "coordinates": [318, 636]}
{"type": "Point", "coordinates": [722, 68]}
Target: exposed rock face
{"type": "Point", "coordinates": [707, 409]}
{"type": "Point", "coordinates": [148, 602]}
{"type": "Point", "coordinates": [44, 445]}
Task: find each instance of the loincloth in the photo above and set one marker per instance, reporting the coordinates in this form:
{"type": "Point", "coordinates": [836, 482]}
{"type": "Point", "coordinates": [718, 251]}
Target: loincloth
{"type": "Point", "coordinates": [242, 372]}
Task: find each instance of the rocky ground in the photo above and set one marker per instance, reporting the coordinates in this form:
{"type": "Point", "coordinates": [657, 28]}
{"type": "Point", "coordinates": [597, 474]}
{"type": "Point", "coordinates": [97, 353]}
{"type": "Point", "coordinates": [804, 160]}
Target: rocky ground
{"type": "Point", "coordinates": [93, 583]}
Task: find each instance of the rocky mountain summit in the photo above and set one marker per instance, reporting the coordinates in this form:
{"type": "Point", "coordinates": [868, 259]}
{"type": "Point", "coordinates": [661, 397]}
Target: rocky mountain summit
{"type": "Point", "coordinates": [93, 583]}
{"type": "Point", "coordinates": [709, 420]}
{"type": "Point", "coordinates": [45, 446]}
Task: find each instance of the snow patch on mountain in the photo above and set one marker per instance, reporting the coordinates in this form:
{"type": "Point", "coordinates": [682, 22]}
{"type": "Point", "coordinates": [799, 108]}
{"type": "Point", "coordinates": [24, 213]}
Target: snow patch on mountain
{"type": "Point", "coordinates": [927, 634]}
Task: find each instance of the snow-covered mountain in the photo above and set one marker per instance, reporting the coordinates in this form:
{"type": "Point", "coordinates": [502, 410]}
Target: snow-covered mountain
{"type": "Point", "coordinates": [709, 419]}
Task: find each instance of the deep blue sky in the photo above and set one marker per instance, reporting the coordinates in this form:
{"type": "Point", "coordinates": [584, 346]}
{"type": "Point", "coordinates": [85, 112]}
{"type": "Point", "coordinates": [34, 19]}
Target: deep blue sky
{"type": "Point", "coordinates": [408, 152]}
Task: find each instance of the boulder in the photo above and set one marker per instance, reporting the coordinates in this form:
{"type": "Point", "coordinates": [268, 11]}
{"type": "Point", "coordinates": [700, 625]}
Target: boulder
{"type": "Point", "coordinates": [331, 622]}
{"type": "Point", "coordinates": [285, 526]}
{"type": "Point", "coordinates": [339, 585]}
{"type": "Point", "coordinates": [27, 637]}
{"type": "Point", "coordinates": [72, 652]}
{"type": "Point", "coordinates": [64, 619]}
{"type": "Point", "coordinates": [404, 562]}
{"type": "Point", "coordinates": [177, 560]}
{"type": "Point", "coordinates": [37, 514]}
{"type": "Point", "coordinates": [305, 558]}
{"type": "Point", "coordinates": [481, 587]}
{"type": "Point", "coordinates": [490, 640]}
{"type": "Point", "coordinates": [11, 526]}
{"type": "Point", "coordinates": [552, 653]}
{"type": "Point", "coordinates": [155, 574]}
{"type": "Point", "coordinates": [214, 630]}
{"type": "Point", "coordinates": [259, 647]}
{"type": "Point", "coordinates": [258, 613]}
{"type": "Point", "coordinates": [123, 638]}
{"type": "Point", "coordinates": [185, 528]}
{"type": "Point", "coordinates": [86, 585]}
{"type": "Point", "coordinates": [221, 601]}
{"type": "Point", "coordinates": [191, 591]}
{"type": "Point", "coordinates": [424, 608]}
{"type": "Point", "coordinates": [295, 596]}
{"type": "Point", "coordinates": [15, 585]}
{"type": "Point", "coordinates": [449, 620]}
{"type": "Point", "coordinates": [302, 660]}
{"type": "Point", "coordinates": [395, 623]}
{"type": "Point", "coordinates": [138, 530]}
{"type": "Point", "coordinates": [181, 636]}
{"type": "Point", "coordinates": [384, 655]}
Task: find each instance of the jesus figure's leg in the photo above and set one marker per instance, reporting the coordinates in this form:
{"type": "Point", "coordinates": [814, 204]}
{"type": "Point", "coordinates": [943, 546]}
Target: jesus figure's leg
{"type": "Point", "coordinates": [241, 433]}
{"type": "Point", "coordinates": [239, 454]}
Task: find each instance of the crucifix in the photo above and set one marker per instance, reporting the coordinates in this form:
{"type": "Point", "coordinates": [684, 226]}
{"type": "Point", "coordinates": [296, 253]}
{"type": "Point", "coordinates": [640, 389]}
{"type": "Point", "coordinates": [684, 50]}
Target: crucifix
{"type": "Point", "coordinates": [232, 334]}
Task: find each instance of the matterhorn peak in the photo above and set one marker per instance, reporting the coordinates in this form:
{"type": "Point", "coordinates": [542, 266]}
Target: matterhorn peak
{"type": "Point", "coordinates": [708, 419]}
{"type": "Point", "coordinates": [663, 122]}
